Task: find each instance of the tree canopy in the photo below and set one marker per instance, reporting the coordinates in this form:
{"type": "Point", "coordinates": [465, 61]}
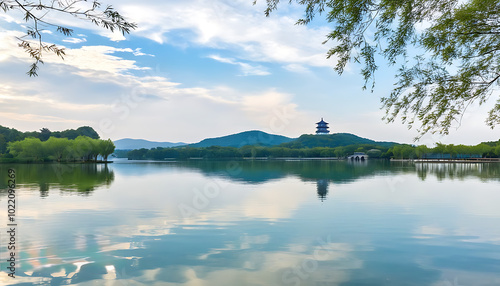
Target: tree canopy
{"type": "Point", "coordinates": [42, 14]}
{"type": "Point", "coordinates": [10, 135]}
{"type": "Point", "coordinates": [447, 52]}
{"type": "Point", "coordinates": [398, 151]}
{"type": "Point", "coordinates": [82, 148]}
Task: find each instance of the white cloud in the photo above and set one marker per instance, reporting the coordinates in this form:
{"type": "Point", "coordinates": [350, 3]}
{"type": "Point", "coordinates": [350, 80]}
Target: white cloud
{"type": "Point", "coordinates": [138, 52]}
{"type": "Point", "coordinates": [249, 69]}
{"type": "Point", "coordinates": [97, 58]}
{"type": "Point", "coordinates": [74, 40]}
{"type": "Point", "coordinates": [230, 25]}
{"type": "Point", "coordinates": [222, 59]}
{"type": "Point", "coordinates": [246, 69]}
{"type": "Point", "coordinates": [94, 83]}
{"type": "Point", "coordinates": [297, 68]}
{"type": "Point", "coordinates": [39, 118]}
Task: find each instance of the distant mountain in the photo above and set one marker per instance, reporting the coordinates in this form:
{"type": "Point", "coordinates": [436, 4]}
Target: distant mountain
{"type": "Point", "coordinates": [332, 140]}
{"type": "Point", "coordinates": [244, 138]}
{"type": "Point", "coordinates": [258, 138]}
{"type": "Point", "coordinates": [130, 144]}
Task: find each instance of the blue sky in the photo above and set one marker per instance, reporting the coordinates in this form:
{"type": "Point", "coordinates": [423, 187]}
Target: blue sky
{"type": "Point", "coordinates": [195, 69]}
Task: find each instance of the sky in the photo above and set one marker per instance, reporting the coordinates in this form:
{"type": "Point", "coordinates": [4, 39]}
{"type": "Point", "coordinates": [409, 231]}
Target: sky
{"type": "Point", "coordinates": [198, 69]}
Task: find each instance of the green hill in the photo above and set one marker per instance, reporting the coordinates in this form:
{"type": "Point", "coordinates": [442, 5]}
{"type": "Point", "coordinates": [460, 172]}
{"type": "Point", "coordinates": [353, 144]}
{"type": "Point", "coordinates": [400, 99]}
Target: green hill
{"type": "Point", "coordinates": [332, 140]}
{"type": "Point", "coordinates": [253, 137]}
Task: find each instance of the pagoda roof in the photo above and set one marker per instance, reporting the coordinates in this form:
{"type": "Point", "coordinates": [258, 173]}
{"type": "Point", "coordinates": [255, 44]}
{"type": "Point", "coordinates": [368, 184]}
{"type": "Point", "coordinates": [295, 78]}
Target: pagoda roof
{"type": "Point", "coordinates": [322, 122]}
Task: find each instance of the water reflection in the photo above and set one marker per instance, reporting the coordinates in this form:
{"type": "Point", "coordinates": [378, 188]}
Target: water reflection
{"type": "Point", "coordinates": [484, 171]}
{"type": "Point", "coordinates": [339, 172]}
{"type": "Point", "coordinates": [262, 171]}
{"type": "Point", "coordinates": [322, 189]}
{"type": "Point", "coordinates": [81, 179]}
{"type": "Point", "coordinates": [269, 223]}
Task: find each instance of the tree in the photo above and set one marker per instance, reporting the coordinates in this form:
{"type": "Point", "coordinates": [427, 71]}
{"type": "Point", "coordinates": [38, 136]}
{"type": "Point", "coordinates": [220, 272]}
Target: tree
{"type": "Point", "coordinates": [340, 152]}
{"type": "Point", "coordinates": [451, 149]}
{"type": "Point", "coordinates": [408, 151]}
{"type": "Point", "coordinates": [30, 148]}
{"type": "Point", "coordinates": [482, 149]}
{"type": "Point", "coordinates": [3, 144]}
{"type": "Point", "coordinates": [106, 148]}
{"type": "Point", "coordinates": [374, 153]}
{"type": "Point", "coordinates": [421, 151]}
{"type": "Point", "coordinates": [86, 148]}
{"type": "Point", "coordinates": [36, 14]}
{"type": "Point", "coordinates": [57, 147]}
{"type": "Point", "coordinates": [440, 148]}
{"type": "Point", "coordinates": [87, 131]}
{"type": "Point", "coordinates": [497, 150]}
{"type": "Point", "coordinates": [44, 134]}
{"type": "Point", "coordinates": [15, 148]}
{"type": "Point", "coordinates": [397, 151]}
{"type": "Point", "coordinates": [444, 68]}
{"type": "Point", "coordinates": [137, 154]}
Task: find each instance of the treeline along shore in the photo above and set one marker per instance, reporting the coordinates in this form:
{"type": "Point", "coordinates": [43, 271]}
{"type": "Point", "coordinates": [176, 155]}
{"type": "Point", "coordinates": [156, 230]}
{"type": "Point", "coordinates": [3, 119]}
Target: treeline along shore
{"type": "Point", "coordinates": [80, 145]}
{"type": "Point", "coordinates": [397, 151]}
{"type": "Point", "coordinates": [84, 145]}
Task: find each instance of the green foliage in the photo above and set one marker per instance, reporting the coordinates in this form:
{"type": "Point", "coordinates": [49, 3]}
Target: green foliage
{"type": "Point", "coordinates": [121, 153]}
{"type": "Point", "coordinates": [248, 151]}
{"type": "Point", "coordinates": [445, 151]}
{"type": "Point", "coordinates": [57, 148]}
{"type": "Point", "coordinates": [34, 13]}
{"type": "Point", "coordinates": [29, 148]}
{"type": "Point", "coordinates": [106, 148]}
{"type": "Point", "coordinates": [11, 135]}
{"type": "Point", "coordinates": [332, 140]}
{"type": "Point", "coordinates": [244, 138]}
{"type": "Point", "coordinates": [374, 153]}
{"type": "Point", "coordinates": [340, 152]}
{"type": "Point", "coordinates": [138, 154]}
{"type": "Point", "coordinates": [3, 144]}
{"type": "Point", "coordinates": [80, 131]}
{"type": "Point", "coordinates": [443, 68]}
{"type": "Point", "coordinates": [421, 150]}
{"type": "Point", "coordinates": [87, 131]}
{"type": "Point", "coordinates": [397, 151]}
{"type": "Point", "coordinates": [44, 134]}
{"type": "Point", "coordinates": [82, 148]}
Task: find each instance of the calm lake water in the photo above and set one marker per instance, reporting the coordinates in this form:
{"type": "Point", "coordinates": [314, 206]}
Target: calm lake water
{"type": "Point", "coordinates": [254, 223]}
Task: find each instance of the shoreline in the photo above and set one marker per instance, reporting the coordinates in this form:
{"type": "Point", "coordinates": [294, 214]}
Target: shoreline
{"type": "Point", "coordinates": [472, 160]}
{"type": "Point", "coordinates": [55, 162]}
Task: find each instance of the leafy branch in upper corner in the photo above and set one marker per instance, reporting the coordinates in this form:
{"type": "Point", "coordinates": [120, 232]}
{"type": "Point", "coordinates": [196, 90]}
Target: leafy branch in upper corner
{"type": "Point", "coordinates": [35, 13]}
{"type": "Point", "coordinates": [456, 58]}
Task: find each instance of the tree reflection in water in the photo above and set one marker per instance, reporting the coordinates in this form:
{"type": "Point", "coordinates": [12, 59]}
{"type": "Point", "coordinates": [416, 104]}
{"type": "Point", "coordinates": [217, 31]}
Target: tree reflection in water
{"type": "Point", "coordinates": [80, 179]}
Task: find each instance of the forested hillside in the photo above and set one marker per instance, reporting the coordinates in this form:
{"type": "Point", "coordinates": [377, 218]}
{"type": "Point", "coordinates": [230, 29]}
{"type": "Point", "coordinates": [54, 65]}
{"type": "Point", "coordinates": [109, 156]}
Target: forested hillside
{"type": "Point", "coordinates": [332, 141]}
{"type": "Point", "coordinates": [253, 137]}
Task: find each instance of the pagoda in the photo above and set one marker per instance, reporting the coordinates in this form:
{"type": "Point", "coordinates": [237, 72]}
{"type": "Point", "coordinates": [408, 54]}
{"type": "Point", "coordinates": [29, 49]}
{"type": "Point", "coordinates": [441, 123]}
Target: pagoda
{"type": "Point", "coordinates": [322, 128]}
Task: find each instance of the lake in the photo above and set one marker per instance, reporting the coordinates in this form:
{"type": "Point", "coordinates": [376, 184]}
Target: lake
{"type": "Point", "coordinates": [254, 223]}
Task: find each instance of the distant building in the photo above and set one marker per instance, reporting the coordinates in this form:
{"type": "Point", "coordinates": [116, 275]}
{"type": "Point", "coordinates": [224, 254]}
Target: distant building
{"type": "Point", "coordinates": [358, 156]}
{"type": "Point", "coordinates": [322, 128]}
